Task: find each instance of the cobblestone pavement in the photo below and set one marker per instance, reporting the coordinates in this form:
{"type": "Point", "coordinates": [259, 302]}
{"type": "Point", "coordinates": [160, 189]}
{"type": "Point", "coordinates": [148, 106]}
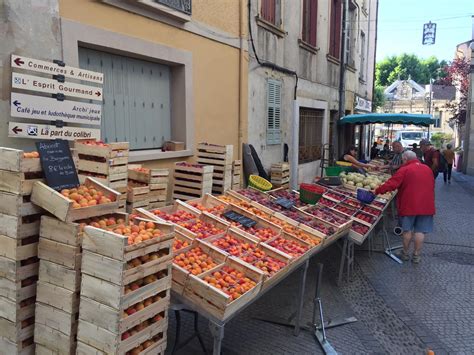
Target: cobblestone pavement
{"type": "Point", "coordinates": [401, 309]}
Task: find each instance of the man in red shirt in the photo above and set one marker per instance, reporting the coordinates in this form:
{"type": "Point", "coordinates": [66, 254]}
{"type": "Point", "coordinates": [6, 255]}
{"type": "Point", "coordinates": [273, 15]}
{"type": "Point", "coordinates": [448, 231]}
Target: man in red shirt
{"type": "Point", "coordinates": [415, 202]}
{"type": "Point", "coordinates": [430, 156]}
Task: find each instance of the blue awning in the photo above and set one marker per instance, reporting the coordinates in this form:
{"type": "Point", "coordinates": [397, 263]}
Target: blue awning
{"type": "Point", "coordinates": [401, 118]}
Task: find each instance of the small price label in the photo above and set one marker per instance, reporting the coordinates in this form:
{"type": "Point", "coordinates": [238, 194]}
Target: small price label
{"type": "Point", "coordinates": [285, 203]}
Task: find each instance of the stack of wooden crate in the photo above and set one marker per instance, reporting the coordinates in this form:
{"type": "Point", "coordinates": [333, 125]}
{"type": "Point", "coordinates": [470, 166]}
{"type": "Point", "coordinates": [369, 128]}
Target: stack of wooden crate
{"type": "Point", "coordinates": [280, 175]}
{"type": "Point", "coordinates": [191, 181]}
{"type": "Point", "coordinates": [219, 156]}
{"type": "Point", "coordinates": [157, 181]}
{"type": "Point", "coordinates": [59, 252]}
{"type": "Point", "coordinates": [19, 234]}
{"type": "Point", "coordinates": [125, 292]}
{"type": "Point", "coordinates": [105, 162]}
{"type": "Point", "coordinates": [236, 174]}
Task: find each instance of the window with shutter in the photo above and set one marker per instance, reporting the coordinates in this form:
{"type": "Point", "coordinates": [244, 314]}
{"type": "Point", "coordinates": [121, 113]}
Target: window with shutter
{"type": "Point", "coordinates": [310, 15]}
{"type": "Point", "coordinates": [270, 11]}
{"type": "Point", "coordinates": [273, 111]}
{"type": "Point", "coordinates": [335, 29]}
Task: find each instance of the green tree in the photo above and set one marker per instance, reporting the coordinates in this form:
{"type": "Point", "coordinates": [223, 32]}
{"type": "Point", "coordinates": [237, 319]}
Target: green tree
{"type": "Point", "coordinates": [405, 66]}
{"type": "Point", "coordinates": [378, 99]}
{"type": "Point", "coordinates": [439, 139]}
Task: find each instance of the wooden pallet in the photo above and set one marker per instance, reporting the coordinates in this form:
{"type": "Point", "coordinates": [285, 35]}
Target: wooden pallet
{"type": "Point", "coordinates": [61, 207]}
{"type": "Point", "coordinates": [280, 174]}
{"type": "Point", "coordinates": [191, 181]}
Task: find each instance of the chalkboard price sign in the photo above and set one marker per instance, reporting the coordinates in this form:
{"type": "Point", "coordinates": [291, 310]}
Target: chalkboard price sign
{"type": "Point", "coordinates": [237, 217]}
{"type": "Point", "coordinates": [57, 163]}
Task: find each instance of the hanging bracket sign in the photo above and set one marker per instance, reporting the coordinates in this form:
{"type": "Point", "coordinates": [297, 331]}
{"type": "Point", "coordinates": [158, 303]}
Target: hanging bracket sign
{"type": "Point", "coordinates": [58, 165]}
{"type": "Point", "coordinates": [40, 84]}
{"type": "Point", "coordinates": [237, 217]}
{"type": "Point", "coordinates": [56, 68]}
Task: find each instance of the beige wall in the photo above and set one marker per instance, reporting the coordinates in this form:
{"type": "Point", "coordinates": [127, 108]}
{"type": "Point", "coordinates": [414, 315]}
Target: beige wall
{"type": "Point", "coordinates": [215, 65]}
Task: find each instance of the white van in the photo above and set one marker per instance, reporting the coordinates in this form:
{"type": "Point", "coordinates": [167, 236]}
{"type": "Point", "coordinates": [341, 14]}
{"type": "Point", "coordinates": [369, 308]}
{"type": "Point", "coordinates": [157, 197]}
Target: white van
{"type": "Point", "coordinates": [407, 138]}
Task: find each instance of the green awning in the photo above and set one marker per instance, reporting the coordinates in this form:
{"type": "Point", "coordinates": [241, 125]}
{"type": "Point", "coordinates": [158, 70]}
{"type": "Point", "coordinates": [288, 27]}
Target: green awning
{"type": "Point", "coordinates": [401, 118]}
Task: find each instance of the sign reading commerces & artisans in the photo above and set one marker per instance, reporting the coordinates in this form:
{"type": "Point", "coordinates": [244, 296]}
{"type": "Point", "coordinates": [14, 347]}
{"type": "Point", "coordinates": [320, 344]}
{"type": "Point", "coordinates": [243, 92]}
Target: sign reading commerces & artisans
{"type": "Point", "coordinates": [42, 66]}
{"type": "Point", "coordinates": [362, 104]}
{"type": "Point", "coordinates": [40, 131]}
{"type": "Point", "coordinates": [45, 108]}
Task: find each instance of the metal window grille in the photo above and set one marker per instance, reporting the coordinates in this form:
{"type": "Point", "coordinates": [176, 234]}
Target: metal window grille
{"type": "Point", "coordinates": [273, 111]}
{"type": "Point", "coordinates": [310, 138]}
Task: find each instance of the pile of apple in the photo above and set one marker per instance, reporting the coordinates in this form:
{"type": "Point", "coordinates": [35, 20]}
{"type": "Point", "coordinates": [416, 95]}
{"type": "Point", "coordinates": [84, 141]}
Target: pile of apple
{"type": "Point", "coordinates": [321, 227]}
{"type": "Point", "coordinates": [230, 281]}
{"type": "Point", "coordinates": [196, 261]}
{"type": "Point", "coordinates": [84, 196]}
{"type": "Point", "coordinates": [216, 210]}
{"type": "Point", "coordinates": [202, 229]}
{"type": "Point", "coordinates": [232, 245]}
{"type": "Point", "coordinates": [144, 259]}
{"type": "Point", "coordinates": [296, 216]}
{"type": "Point", "coordinates": [371, 210]}
{"type": "Point", "coordinates": [252, 194]}
{"type": "Point", "coordinates": [325, 202]}
{"type": "Point", "coordinates": [179, 244]}
{"type": "Point", "coordinates": [378, 204]}
{"type": "Point", "coordinates": [288, 246]}
{"type": "Point", "coordinates": [145, 281]}
{"type": "Point", "coordinates": [327, 215]}
{"type": "Point", "coordinates": [359, 228]}
{"type": "Point", "coordinates": [334, 196]}
{"type": "Point", "coordinates": [365, 217]}
{"type": "Point", "coordinates": [347, 210]}
{"type": "Point", "coordinates": [31, 155]}
{"type": "Point", "coordinates": [178, 216]}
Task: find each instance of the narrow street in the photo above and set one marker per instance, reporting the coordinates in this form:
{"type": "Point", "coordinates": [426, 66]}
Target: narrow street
{"type": "Point", "coordinates": [400, 308]}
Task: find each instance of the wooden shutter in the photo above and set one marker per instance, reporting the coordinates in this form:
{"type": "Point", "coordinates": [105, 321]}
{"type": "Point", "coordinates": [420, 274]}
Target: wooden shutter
{"type": "Point", "coordinates": [268, 11]}
{"type": "Point", "coordinates": [313, 19]}
{"type": "Point", "coordinates": [273, 112]}
{"type": "Point", "coordinates": [335, 28]}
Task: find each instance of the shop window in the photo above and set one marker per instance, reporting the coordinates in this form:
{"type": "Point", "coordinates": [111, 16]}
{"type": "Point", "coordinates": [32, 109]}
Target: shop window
{"type": "Point", "coordinates": [310, 136]}
{"type": "Point", "coordinates": [310, 16]}
{"type": "Point", "coordinates": [271, 11]}
{"type": "Point", "coordinates": [136, 105]}
{"type": "Point", "coordinates": [335, 29]}
{"type": "Point", "coordinates": [273, 111]}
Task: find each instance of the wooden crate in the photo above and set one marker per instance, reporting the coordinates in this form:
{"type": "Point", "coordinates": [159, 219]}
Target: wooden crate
{"type": "Point", "coordinates": [16, 331]}
{"type": "Point", "coordinates": [138, 193]}
{"type": "Point", "coordinates": [19, 183]}
{"type": "Point", "coordinates": [61, 207]}
{"type": "Point", "coordinates": [58, 297]}
{"type": "Point", "coordinates": [62, 321]}
{"type": "Point", "coordinates": [18, 290]}
{"type": "Point", "coordinates": [213, 154]}
{"type": "Point", "coordinates": [18, 270]}
{"type": "Point", "coordinates": [17, 205]}
{"type": "Point", "coordinates": [59, 275]}
{"type": "Point", "coordinates": [280, 174]}
{"type": "Point", "coordinates": [18, 249]}
{"type": "Point", "coordinates": [114, 181]}
{"type": "Point", "coordinates": [25, 347]}
{"type": "Point", "coordinates": [109, 150]}
{"type": "Point", "coordinates": [14, 160]}
{"type": "Point", "coordinates": [215, 301]}
{"type": "Point", "coordinates": [236, 174]}
{"type": "Point", "coordinates": [163, 213]}
{"type": "Point", "coordinates": [50, 341]}
{"type": "Point", "coordinates": [191, 180]}
{"type": "Point", "coordinates": [110, 166]}
{"type": "Point", "coordinates": [209, 219]}
{"type": "Point", "coordinates": [17, 311]}
{"type": "Point", "coordinates": [60, 253]}
{"type": "Point", "coordinates": [19, 227]}
{"type": "Point", "coordinates": [149, 176]}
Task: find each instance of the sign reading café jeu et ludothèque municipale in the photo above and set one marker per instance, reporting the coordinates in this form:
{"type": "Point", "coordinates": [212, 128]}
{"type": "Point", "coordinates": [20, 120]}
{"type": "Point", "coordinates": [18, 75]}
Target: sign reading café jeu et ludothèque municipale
{"type": "Point", "coordinates": [42, 66]}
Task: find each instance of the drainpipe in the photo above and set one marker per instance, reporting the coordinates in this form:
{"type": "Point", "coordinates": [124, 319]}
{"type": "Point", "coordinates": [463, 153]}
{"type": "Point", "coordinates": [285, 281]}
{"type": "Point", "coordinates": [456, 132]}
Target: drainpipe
{"type": "Point", "coordinates": [241, 108]}
{"type": "Point", "coordinates": [342, 67]}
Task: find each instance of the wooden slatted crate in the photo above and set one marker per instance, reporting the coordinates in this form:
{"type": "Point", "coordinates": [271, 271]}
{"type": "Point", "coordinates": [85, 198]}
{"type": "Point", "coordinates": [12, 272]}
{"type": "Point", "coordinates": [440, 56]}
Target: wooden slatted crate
{"type": "Point", "coordinates": [119, 279]}
{"type": "Point", "coordinates": [220, 157]}
{"type": "Point", "coordinates": [280, 174]}
{"type": "Point", "coordinates": [236, 174]}
{"type": "Point", "coordinates": [191, 180]}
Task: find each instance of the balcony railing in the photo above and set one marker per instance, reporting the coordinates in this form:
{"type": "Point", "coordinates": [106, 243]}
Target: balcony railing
{"type": "Point", "coordinates": [184, 6]}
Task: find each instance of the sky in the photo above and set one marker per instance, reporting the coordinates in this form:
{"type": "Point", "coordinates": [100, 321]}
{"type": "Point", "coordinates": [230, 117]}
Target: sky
{"type": "Point", "coordinates": [400, 26]}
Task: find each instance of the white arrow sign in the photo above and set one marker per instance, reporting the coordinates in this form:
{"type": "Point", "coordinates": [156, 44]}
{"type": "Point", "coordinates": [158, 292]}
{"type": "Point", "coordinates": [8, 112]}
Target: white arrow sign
{"type": "Point", "coordinates": [39, 131]}
{"type": "Point", "coordinates": [41, 66]}
{"type": "Point", "coordinates": [40, 84]}
{"type": "Point", "coordinates": [45, 108]}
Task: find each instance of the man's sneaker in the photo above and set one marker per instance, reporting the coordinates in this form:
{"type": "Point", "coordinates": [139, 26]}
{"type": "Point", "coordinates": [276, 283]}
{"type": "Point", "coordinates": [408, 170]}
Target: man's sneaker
{"type": "Point", "coordinates": [404, 256]}
{"type": "Point", "coordinates": [416, 259]}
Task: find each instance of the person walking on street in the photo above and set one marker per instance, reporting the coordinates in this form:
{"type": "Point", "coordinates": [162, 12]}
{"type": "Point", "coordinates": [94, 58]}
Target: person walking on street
{"type": "Point", "coordinates": [417, 151]}
{"type": "Point", "coordinates": [449, 156]}
{"type": "Point", "coordinates": [431, 156]}
{"type": "Point", "coordinates": [415, 202]}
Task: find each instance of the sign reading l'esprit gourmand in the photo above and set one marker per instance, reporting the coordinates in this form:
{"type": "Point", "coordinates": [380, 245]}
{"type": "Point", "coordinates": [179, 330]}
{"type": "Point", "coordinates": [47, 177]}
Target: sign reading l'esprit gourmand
{"type": "Point", "coordinates": [45, 108]}
{"type": "Point", "coordinates": [40, 84]}
{"type": "Point", "coordinates": [40, 131]}
{"type": "Point", "coordinates": [42, 66]}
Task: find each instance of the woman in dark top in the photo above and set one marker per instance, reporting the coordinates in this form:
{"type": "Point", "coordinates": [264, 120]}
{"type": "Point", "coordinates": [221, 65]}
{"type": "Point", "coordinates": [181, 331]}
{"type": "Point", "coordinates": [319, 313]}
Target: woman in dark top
{"type": "Point", "coordinates": [374, 151]}
{"type": "Point", "coordinates": [350, 157]}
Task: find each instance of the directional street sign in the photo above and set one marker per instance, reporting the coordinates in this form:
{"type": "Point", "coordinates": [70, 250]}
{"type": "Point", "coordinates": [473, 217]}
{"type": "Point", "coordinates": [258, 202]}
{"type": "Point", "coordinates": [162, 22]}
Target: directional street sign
{"type": "Point", "coordinates": [40, 131]}
{"type": "Point", "coordinates": [45, 108]}
{"type": "Point", "coordinates": [40, 84]}
{"type": "Point", "coordinates": [41, 66]}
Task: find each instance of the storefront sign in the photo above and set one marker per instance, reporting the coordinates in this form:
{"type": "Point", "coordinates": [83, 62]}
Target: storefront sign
{"type": "Point", "coordinates": [57, 164]}
{"type": "Point", "coordinates": [45, 108]}
{"type": "Point", "coordinates": [362, 104]}
{"type": "Point", "coordinates": [39, 131]}
{"type": "Point", "coordinates": [41, 66]}
{"type": "Point", "coordinates": [40, 84]}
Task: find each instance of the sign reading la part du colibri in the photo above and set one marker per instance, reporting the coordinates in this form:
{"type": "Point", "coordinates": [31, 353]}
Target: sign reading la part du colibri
{"type": "Point", "coordinates": [51, 86]}
{"type": "Point", "coordinates": [40, 131]}
{"type": "Point", "coordinates": [45, 108]}
{"type": "Point", "coordinates": [42, 66]}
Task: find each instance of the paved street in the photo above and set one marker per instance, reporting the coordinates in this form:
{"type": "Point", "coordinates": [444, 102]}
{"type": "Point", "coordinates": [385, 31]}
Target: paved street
{"type": "Point", "coordinates": [401, 309]}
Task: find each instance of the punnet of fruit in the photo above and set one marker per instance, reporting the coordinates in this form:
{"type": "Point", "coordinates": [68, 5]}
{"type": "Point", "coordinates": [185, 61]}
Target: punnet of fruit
{"type": "Point", "coordinates": [84, 196]}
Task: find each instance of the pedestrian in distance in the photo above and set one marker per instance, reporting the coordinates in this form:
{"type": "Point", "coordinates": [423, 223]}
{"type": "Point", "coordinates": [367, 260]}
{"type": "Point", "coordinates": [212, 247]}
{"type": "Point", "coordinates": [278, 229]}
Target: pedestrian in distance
{"type": "Point", "coordinates": [417, 151]}
{"type": "Point", "coordinates": [431, 156]}
{"type": "Point", "coordinates": [415, 202]}
{"type": "Point", "coordinates": [448, 155]}
{"type": "Point", "coordinates": [374, 151]}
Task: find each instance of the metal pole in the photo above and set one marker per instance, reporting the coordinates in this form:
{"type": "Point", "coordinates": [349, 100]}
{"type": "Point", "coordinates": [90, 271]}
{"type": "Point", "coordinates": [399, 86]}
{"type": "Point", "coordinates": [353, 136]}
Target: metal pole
{"type": "Point", "coordinates": [342, 67]}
